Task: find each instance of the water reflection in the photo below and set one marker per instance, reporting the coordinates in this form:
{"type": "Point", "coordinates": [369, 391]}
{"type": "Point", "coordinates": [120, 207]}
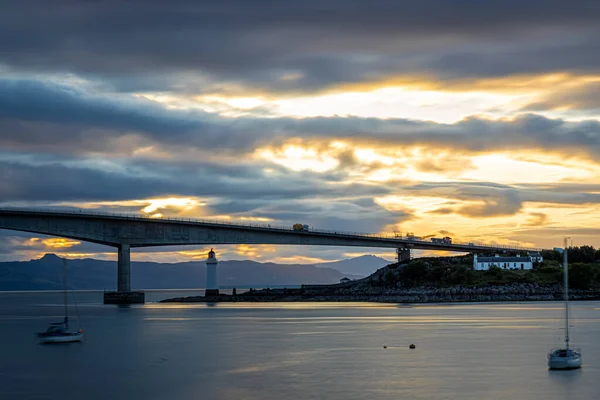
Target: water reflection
{"type": "Point", "coordinates": [300, 351]}
{"type": "Point", "coordinates": [566, 383]}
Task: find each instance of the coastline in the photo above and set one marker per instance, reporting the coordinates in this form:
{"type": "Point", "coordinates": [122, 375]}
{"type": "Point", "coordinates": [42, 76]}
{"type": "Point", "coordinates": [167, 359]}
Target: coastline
{"type": "Point", "coordinates": [459, 294]}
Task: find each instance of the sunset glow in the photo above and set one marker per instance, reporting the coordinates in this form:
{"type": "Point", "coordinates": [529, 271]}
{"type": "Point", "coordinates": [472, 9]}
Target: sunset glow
{"type": "Point", "coordinates": [420, 128]}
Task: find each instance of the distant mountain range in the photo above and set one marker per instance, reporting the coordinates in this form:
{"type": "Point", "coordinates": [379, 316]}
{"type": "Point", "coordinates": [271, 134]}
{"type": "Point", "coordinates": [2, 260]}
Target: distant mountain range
{"type": "Point", "coordinates": [46, 273]}
{"type": "Point", "coordinates": [362, 266]}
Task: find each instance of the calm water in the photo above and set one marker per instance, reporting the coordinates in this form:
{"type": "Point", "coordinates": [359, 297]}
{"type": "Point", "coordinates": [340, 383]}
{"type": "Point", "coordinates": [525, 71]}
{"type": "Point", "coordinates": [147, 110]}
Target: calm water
{"type": "Point", "coordinates": [296, 351]}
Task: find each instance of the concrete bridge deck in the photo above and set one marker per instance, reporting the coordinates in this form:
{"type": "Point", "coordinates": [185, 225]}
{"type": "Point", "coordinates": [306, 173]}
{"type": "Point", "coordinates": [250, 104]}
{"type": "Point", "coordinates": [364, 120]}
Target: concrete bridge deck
{"type": "Point", "coordinates": [125, 231]}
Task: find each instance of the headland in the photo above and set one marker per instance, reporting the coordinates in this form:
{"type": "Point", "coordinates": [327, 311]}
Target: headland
{"type": "Point", "coordinates": [438, 280]}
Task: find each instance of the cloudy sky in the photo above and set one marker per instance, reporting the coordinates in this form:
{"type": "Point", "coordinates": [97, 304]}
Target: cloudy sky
{"type": "Point", "coordinates": [474, 119]}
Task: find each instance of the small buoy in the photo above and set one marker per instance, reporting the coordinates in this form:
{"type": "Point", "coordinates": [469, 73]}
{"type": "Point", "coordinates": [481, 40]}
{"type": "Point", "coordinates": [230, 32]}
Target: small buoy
{"type": "Point", "coordinates": [385, 347]}
{"type": "Point", "coordinates": [412, 346]}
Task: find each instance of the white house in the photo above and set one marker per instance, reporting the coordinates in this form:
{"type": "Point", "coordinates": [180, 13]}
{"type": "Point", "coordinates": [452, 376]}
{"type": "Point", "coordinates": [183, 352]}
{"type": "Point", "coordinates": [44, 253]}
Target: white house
{"type": "Point", "coordinates": [517, 262]}
{"type": "Point", "coordinates": [536, 257]}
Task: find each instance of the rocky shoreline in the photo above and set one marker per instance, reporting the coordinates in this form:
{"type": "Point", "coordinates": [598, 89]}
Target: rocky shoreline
{"type": "Point", "coordinates": [339, 293]}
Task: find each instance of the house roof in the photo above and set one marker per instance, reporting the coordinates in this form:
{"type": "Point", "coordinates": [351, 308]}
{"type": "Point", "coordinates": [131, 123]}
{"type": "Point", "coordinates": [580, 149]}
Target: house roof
{"type": "Point", "coordinates": [503, 259]}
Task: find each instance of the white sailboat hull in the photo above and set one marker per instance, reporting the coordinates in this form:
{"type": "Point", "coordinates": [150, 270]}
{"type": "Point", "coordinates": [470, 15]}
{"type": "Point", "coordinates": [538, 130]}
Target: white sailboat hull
{"type": "Point", "coordinates": [571, 360]}
{"type": "Point", "coordinates": [75, 337]}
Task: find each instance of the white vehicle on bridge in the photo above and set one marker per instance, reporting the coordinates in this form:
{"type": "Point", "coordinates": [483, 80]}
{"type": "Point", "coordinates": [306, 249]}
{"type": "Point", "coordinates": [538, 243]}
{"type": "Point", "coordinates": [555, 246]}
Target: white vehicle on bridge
{"type": "Point", "coordinates": [446, 240]}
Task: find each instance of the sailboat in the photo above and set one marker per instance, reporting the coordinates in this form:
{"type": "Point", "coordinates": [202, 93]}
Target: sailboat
{"type": "Point", "coordinates": [565, 358]}
{"type": "Point", "coordinates": [58, 332]}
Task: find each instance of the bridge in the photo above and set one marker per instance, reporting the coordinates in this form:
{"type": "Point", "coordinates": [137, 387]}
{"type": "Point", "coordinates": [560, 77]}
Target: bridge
{"type": "Point", "coordinates": [126, 231]}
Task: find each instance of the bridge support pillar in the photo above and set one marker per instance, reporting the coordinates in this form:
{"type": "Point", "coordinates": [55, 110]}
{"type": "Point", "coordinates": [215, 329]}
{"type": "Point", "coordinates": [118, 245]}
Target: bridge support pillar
{"type": "Point", "coordinates": [403, 255]}
{"type": "Point", "coordinates": [124, 295]}
{"type": "Point", "coordinates": [212, 289]}
{"type": "Point", "coordinates": [124, 269]}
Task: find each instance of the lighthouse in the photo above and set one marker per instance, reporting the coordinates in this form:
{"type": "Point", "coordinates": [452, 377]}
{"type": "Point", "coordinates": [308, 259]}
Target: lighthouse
{"type": "Point", "coordinates": [211, 275]}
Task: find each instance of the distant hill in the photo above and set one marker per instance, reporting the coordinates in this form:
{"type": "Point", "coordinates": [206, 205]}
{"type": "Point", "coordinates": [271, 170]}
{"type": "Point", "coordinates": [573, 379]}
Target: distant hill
{"type": "Point", "coordinates": [46, 274]}
{"type": "Point", "coordinates": [362, 266]}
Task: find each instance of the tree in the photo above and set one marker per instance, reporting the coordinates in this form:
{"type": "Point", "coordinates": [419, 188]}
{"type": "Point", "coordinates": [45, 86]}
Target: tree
{"type": "Point", "coordinates": [588, 254]}
{"type": "Point", "coordinates": [415, 271]}
{"type": "Point", "coordinates": [580, 276]}
{"type": "Point", "coordinates": [551, 255]}
{"type": "Point", "coordinates": [495, 271]}
{"type": "Point", "coordinates": [584, 254]}
{"type": "Point", "coordinates": [462, 275]}
{"type": "Point", "coordinates": [550, 274]}
{"type": "Point", "coordinates": [390, 279]}
{"type": "Point", "coordinates": [439, 274]}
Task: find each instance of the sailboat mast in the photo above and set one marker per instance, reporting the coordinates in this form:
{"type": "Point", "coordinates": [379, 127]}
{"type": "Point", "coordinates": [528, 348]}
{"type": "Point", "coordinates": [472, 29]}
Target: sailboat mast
{"type": "Point", "coordinates": [566, 291]}
{"type": "Point", "coordinates": [65, 292]}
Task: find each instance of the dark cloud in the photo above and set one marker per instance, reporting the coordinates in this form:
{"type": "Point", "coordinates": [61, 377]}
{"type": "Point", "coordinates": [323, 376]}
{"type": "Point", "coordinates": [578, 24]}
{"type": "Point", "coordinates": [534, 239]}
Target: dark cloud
{"type": "Point", "coordinates": [502, 203]}
{"type": "Point", "coordinates": [36, 115]}
{"type": "Point", "coordinates": [447, 233]}
{"type": "Point", "coordinates": [493, 200]}
{"type": "Point", "coordinates": [67, 106]}
{"type": "Point", "coordinates": [579, 54]}
{"type": "Point", "coordinates": [56, 182]}
{"type": "Point", "coordinates": [502, 197]}
{"type": "Point", "coordinates": [147, 45]}
{"type": "Point", "coordinates": [86, 181]}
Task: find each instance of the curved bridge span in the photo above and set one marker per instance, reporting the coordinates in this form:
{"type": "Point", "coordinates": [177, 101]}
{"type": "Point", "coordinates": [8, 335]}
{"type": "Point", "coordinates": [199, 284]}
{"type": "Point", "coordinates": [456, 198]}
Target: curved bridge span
{"type": "Point", "coordinates": [125, 231]}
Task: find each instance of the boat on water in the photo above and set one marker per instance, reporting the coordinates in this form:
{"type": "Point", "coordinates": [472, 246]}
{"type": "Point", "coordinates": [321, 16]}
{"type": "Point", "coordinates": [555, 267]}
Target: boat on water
{"type": "Point", "coordinates": [565, 358]}
{"type": "Point", "coordinates": [58, 332]}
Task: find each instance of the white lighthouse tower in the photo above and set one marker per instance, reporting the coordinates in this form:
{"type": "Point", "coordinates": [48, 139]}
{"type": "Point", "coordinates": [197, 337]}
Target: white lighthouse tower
{"type": "Point", "coordinates": [211, 275]}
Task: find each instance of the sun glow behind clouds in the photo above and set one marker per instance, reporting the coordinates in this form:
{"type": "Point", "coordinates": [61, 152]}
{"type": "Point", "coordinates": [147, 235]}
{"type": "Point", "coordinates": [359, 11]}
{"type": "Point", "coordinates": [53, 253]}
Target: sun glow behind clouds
{"type": "Point", "coordinates": [254, 251]}
{"type": "Point", "coordinates": [51, 243]}
{"type": "Point", "coordinates": [502, 168]}
{"type": "Point", "coordinates": [60, 243]}
{"type": "Point", "coordinates": [179, 202]}
{"type": "Point", "coordinates": [535, 224]}
{"type": "Point", "coordinates": [299, 158]}
{"type": "Point", "coordinates": [178, 205]}
{"type": "Point", "coordinates": [438, 105]}
{"type": "Point", "coordinates": [397, 102]}
{"type": "Point", "coordinates": [362, 162]}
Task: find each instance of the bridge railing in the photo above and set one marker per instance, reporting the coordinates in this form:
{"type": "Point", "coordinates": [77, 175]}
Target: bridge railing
{"type": "Point", "coordinates": [403, 239]}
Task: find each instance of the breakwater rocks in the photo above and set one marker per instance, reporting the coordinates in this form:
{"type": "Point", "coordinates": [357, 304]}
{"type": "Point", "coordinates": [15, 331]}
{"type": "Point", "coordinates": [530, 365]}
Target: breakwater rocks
{"type": "Point", "coordinates": [334, 293]}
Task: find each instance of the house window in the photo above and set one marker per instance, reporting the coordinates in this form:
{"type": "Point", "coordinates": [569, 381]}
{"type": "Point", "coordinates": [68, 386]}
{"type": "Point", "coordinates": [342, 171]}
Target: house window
{"type": "Point", "coordinates": [522, 266]}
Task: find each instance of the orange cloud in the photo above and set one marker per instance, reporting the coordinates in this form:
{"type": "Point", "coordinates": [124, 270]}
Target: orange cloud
{"type": "Point", "coordinates": [60, 243]}
{"type": "Point", "coordinates": [254, 251]}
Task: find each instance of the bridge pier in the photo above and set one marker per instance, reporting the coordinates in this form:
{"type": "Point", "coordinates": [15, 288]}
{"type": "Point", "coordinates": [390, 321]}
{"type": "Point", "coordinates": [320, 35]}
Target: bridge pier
{"type": "Point", "coordinates": [124, 268]}
{"type": "Point", "coordinates": [403, 254]}
{"type": "Point", "coordinates": [124, 295]}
